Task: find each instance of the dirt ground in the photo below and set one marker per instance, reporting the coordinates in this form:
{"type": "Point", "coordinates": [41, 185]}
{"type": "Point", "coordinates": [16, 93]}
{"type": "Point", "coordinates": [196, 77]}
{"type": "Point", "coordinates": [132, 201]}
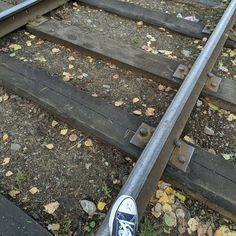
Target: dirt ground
{"type": "Point", "coordinates": [88, 169]}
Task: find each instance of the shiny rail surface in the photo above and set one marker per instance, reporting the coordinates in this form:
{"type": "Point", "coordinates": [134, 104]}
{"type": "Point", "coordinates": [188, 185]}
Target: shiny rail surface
{"type": "Point", "coordinates": [148, 170]}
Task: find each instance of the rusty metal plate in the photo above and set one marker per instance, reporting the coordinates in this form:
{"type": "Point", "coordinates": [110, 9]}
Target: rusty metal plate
{"type": "Point", "coordinates": [181, 156]}
{"type": "Point", "coordinates": [213, 83]}
{"type": "Point", "coordinates": [181, 72]}
{"type": "Point", "coordinates": [142, 135]}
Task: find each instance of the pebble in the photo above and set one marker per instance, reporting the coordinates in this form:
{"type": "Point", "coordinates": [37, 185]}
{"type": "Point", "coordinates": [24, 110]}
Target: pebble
{"type": "Point", "coordinates": [209, 131]}
{"type": "Point", "coordinates": [199, 103]}
{"type": "Point", "coordinates": [15, 147]}
{"type": "Point", "coordinates": [88, 206]}
{"type": "Point", "coordinates": [186, 53]}
{"type": "Point", "coordinates": [106, 86]}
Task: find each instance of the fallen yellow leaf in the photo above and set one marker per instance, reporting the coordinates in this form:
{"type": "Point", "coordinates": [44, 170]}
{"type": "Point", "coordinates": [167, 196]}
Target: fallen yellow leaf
{"type": "Point", "coordinates": [101, 205]}
{"type": "Point", "coordinates": [51, 207]}
{"type": "Point", "coordinates": [33, 190]}
{"type": "Point", "coordinates": [5, 137]}
{"type": "Point", "coordinates": [63, 132]}
{"type": "Point", "coordinates": [54, 227]}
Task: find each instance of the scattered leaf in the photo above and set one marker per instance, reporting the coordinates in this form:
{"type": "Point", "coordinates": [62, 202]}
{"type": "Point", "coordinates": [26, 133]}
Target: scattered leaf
{"type": "Point", "coordinates": [63, 132]}
{"type": "Point", "coordinates": [14, 193]}
{"type": "Point", "coordinates": [157, 210]}
{"type": "Point", "coordinates": [135, 100]}
{"type": "Point", "coordinates": [101, 205]}
{"type": "Point", "coordinates": [161, 87]}
{"type": "Point", "coordinates": [226, 156]}
{"type": "Point", "coordinates": [71, 66]}
{"type": "Point", "coordinates": [55, 50]}
{"type": "Point", "coordinates": [15, 47]}
{"type": "Point", "coordinates": [180, 196]}
{"type": "Point", "coordinates": [167, 207]}
{"type": "Point", "coordinates": [164, 199]}
{"type": "Point", "coordinates": [51, 207]}
{"type": "Point", "coordinates": [137, 112]}
{"type": "Point", "coordinates": [54, 227]}
{"type": "Point", "coordinates": [28, 43]}
{"type": "Point", "coordinates": [9, 173]}
{"type": "Point", "coordinates": [33, 190]}
{"type": "Point", "coordinates": [224, 231]}
{"type": "Point", "coordinates": [139, 23]}
{"type": "Point", "coordinates": [73, 137]}
{"type": "Point", "coordinates": [150, 111]}
{"type": "Point", "coordinates": [5, 137]}
{"type": "Point", "coordinates": [165, 52]}
{"type": "Point", "coordinates": [231, 117]}
{"type": "Point", "coordinates": [170, 219]}
{"type": "Point", "coordinates": [6, 161]}
{"type": "Point", "coordinates": [54, 123]}
{"type": "Point", "coordinates": [193, 224]}
{"type": "Point", "coordinates": [118, 103]}
{"type": "Point", "coordinates": [71, 58]}
{"type": "Point", "coordinates": [5, 97]}
{"type": "Point", "coordinates": [50, 146]}
{"type": "Point", "coordinates": [88, 143]}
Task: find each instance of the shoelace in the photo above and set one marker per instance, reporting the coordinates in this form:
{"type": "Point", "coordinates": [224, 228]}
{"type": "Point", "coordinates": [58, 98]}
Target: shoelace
{"type": "Point", "coordinates": [125, 228]}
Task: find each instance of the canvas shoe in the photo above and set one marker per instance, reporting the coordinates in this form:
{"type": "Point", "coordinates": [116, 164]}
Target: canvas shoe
{"type": "Point", "coordinates": [124, 217]}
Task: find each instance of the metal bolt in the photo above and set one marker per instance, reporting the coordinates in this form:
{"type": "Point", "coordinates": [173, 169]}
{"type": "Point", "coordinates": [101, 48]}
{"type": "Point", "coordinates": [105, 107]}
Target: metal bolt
{"type": "Point", "coordinates": [210, 74]}
{"type": "Point", "coordinates": [143, 131]}
{"type": "Point", "coordinates": [178, 143]}
{"type": "Point", "coordinates": [182, 159]}
{"type": "Point", "coordinates": [213, 84]}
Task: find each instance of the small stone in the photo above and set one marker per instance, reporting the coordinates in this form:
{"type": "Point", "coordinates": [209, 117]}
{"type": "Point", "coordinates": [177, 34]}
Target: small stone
{"type": "Point", "coordinates": [140, 23]}
{"type": "Point", "coordinates": [186, 53]}
{"type": "Point", "coordinates": [106, 86]}
{"type": "Point", "coordinates": [212, 151]}
{"type": "Point", "coordinates": [156, 211]}
{"type": "Point", "coordinates": [199, 103]}
{"type": "Point", "coordinates": [204, 39]}
{"type": "Point", "coordinates": [209, 131]}
{"type": "Point", "coordinates": [89, 207]}
{"type": "Point", "coordinates": [15, 147]}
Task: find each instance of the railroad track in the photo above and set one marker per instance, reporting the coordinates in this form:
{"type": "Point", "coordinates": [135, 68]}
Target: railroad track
{"type": "Point", "coordinates": [158, 150]}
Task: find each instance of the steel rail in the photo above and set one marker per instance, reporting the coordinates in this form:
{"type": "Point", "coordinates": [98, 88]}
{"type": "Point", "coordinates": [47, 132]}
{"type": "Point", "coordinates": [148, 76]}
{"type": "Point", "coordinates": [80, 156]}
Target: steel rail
{"type": "Point", "coordinates": [19, 15]}
{"type": "Point", "coordinates": [148, 170]}
{"type": "Point", "coordinates": [17, 8]}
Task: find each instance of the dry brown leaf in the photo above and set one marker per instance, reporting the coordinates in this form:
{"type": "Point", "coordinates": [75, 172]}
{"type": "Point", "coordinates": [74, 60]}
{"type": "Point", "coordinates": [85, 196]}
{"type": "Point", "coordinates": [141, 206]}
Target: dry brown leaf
{"type": "Point", "coordinates": [33, 190]}
{"type": "Point", "coordinates": [137, 112]}
{"type": "Point", "coordinates": [51, 207]}
{"type": "Point", "coordinates": [135, 100]}
{"type": "Point", "coordinates": [6, 161]}
{"type": "Point", "coordinates": [73, 137]}
{"type": "Point", "coordinates": [54, 123]}
{"type": "Point", "coordinates": [13, 193]}
{"type": "Point", "coordinates": [50, 146]}
{"type": "Point", "coordinates": [9, 173]}
{"type": "Point", "coordinates": [118, 103]}
{"type": "Point", "coordinates": [88, 143]}
{"type": "Point", "coordinates": [54, 227]}
{"type": "Point", "coordinates": [150, 111]}
{"type": "Point", "coordinates": [71, 58]}
{"type": "Point", "coordinates": [71, 66]}
{"type": "Point", "coordinates": [55, 50]}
